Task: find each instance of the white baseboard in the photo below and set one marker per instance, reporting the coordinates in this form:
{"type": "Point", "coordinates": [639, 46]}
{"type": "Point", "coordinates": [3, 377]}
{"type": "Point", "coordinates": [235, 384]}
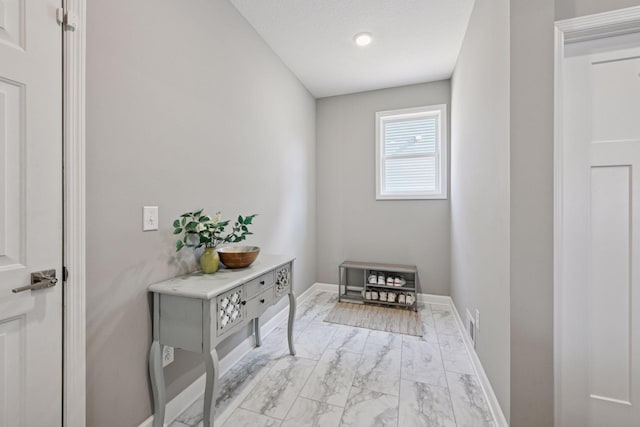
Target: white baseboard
{"type": "Point", "coordinates": [326, 287]}
{"type": "Point", "coordinates": [435, 299]}
{"type": "Point", "coordinates": [189, 395]}
{"type": "Point", "coordinates": [494, 405]}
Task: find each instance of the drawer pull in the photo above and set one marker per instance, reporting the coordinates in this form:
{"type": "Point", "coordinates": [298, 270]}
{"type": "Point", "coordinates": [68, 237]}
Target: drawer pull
{"type": "Point", "coordinates": [243, 303]}
{"type": "Point", "coordinates": [262, 282]}
{"type": "Point", "coordinates": [262, 301]}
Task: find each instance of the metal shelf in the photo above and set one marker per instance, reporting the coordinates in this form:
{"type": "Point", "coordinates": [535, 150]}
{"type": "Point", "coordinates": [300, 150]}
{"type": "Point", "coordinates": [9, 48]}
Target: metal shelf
{"type": "Point", "coordinates": [408, 272]}
{"type": "Point", "coordinates": [397, 304]}
{"type": "Point", "coordinates": [403, 288]}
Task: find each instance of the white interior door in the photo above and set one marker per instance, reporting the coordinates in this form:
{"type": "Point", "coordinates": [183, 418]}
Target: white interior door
{"type": "Point", "coordinates": [30, 212]}
{"type": "Point", "coordinates": [600, 302]}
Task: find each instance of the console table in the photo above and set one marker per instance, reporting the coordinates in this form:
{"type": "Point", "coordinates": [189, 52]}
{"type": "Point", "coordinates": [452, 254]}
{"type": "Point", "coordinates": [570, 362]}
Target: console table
{"type": "Point", "coordinates": [196, 311]}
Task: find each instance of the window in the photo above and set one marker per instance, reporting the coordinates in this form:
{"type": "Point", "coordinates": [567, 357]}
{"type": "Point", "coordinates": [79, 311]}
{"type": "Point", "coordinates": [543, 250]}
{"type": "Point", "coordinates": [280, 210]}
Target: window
{"type": "Point", "coordinates": [411, 153]}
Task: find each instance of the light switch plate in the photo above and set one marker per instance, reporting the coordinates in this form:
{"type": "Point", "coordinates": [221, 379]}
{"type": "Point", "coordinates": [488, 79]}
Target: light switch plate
{"type": "Point", "coordinates": [149, 218]}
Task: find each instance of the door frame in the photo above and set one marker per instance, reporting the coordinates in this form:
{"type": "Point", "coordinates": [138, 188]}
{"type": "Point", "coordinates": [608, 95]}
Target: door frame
{"type": "Point", "coordinates": [74, 248]}
{"type": "Point", "coordinates": [584, 28]}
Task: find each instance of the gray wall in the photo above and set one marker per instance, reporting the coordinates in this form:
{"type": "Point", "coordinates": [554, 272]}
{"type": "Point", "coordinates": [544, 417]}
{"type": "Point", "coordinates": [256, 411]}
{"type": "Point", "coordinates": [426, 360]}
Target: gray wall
{"type": "Point", "coordinates": [187, 107]}
{"type": "Point", "coordinates": [571, 8]}
{"type": "Point", "coordinates": [532, 213]}
{"type": "Point", "coordinates": [480, 187]}
{"type": "Point", "coordinates": [351, 224]}
{"type": "Point", "coordinates": [532, 56]}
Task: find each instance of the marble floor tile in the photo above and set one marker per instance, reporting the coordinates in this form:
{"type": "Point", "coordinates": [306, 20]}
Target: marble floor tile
{"type": "Point", "coordinates": [314, 340]}
{"type": "Point", "coordinates": [440, 307]}
{"type": "Point", "coordinates": [423, 405]}
{"type": "Point", "coordinates": [309, 413]}
{"type": "Point", "coordinates": [379, 369]}
{"type": "Point", "coordinates": [275, 346]}
{"type": "Point", "coordinates": [243, 418]}
{"type": "Point", "coordinates": [234, 385]}
{"type": "Point", "coordinates": [429, 333]}
{"type": "Point", "coordinates": [445, 322]}
{"type": "Point", "coordinates": [469, 403]}
{"type": "Point", "coordinates": [331, 379]}
{"type": "Point", "coordinates": [316, 303]}
{"type": "Point", "coordinates": [458, 362]}
{"type": "Point", "coordinates": [349, 380]}
{"type": "Point", "coordinates": [370, 408]}
{"type": "Point", "coordinates": [454, 354]}
{"type": "Point", "coordinates": [452, 343]}
{"type": "Point", "coordinates": [240, 380]}
{"type": "Point", "coordinates": [385, 338]}
{"type": "Point", "coordinates": [192, 415]}
{"type": "Point", "coordinates": [422, 362]}
{"type": "Point", "coordinates": [427, 314]}
{"type": "Point", "coordinates": [277, 391]}
{"type": "Point", "coordinates": [349, 338]}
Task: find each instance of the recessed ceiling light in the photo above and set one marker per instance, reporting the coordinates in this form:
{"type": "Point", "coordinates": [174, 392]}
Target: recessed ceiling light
{"type": "Point", "coordinates": [363, 39]}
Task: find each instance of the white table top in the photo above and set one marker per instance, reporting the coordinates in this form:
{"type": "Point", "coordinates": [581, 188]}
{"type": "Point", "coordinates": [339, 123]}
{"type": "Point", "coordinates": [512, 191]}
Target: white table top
{"type": "Point", "coordinates": [208, 286]}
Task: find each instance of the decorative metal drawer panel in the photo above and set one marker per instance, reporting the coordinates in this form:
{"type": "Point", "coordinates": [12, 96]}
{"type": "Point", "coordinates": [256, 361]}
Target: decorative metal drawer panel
{"type": "Point", "coordinates": [231, 310]}
{"type": "Point", "coordinates": [283, 280]}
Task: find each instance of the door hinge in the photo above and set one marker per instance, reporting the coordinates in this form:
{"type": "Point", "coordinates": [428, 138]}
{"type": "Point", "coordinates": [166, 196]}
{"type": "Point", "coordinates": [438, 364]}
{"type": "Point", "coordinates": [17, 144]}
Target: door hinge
{"type": "Point", "coordinates": [65, 274]}
{"type": "Point", "coordinates": [67, 19]}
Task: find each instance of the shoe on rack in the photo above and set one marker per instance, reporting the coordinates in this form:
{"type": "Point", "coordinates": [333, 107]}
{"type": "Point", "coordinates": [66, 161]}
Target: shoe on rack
{"type": "Point", "coordinates": [390, 281]}
{"type": "Point", "coordinates": [402, 299]}
{"type": "Point", "coordinates": [383, 296]}
{"type": "Point", "coordinates": [374, 295]}
{"type": "Point", "coordinates": [410, 299]}
{"type": "Point", "coordinates": [381, 279]}
{"type": "Point", "coordinates": [391, 297]}
{"type": "Point", "coordinates": [399, 281]}
{"type": "Point", "coordinates": [373, 279]}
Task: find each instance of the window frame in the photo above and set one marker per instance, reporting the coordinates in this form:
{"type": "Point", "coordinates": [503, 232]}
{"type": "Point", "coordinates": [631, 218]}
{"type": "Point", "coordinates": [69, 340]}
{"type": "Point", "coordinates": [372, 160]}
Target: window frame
{"type": "Point", "coordinates": [439, 110]}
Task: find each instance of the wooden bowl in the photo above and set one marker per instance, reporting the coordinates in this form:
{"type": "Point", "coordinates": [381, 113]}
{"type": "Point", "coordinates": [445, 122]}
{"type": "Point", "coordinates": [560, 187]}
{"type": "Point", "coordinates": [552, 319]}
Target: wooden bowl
{"type": "Point", "coordinates": [238, 256]}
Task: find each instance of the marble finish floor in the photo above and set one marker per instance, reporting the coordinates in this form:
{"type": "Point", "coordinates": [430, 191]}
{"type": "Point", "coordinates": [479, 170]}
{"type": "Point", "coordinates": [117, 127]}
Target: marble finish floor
{"type": "Point", "coordinates": [349, 376]}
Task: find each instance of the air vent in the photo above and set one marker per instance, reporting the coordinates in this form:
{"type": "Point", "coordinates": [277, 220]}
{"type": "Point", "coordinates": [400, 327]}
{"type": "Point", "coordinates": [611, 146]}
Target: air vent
{"type": "Point", "coordinates": [471, 328]}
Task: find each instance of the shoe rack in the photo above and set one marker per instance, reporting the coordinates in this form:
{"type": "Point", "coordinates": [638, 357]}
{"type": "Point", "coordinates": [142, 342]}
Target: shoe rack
{"type": "Point", "coordinates": [401, 293]}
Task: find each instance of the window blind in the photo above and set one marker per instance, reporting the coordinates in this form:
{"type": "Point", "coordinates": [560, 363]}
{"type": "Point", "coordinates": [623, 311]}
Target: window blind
{"type": "Point", "coordinates": [409, 155]}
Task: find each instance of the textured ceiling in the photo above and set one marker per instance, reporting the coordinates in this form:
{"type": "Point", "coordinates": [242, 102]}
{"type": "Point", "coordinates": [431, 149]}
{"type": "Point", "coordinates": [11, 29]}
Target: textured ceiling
{"type": "Point", "coordinates": [414, 41]}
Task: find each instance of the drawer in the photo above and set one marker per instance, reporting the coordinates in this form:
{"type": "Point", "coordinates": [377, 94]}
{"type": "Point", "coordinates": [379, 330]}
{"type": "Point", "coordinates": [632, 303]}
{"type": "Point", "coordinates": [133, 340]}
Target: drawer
{"type": "Point", "coordinates": [230, 309]}
{"type": "Point", "coordinates": [259, 284]}
{"type": "Point", "coordinates": [258, 304]}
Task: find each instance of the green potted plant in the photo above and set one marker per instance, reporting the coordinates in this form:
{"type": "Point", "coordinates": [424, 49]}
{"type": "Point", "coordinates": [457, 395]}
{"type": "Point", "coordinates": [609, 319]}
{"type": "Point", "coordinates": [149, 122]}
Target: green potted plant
{"type": "Point", "coordinates": [200, 230]}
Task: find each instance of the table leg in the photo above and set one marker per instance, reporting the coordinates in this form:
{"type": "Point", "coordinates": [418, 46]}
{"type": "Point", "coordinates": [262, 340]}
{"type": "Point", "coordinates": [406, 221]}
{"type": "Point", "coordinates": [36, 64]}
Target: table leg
{"type": "Point", "coordinates": [256, 331]}
{"type": "Point", "coordinates": [157, 383]}
{"type": "Point", "coordinates": [292, 316]}
{"type": "Point", "coordinates": [210, 389]}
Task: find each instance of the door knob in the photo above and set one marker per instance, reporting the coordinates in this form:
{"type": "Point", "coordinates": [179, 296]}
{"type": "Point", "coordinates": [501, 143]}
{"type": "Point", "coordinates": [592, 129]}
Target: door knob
{"type": "Point", "coordinates": [39, 280]}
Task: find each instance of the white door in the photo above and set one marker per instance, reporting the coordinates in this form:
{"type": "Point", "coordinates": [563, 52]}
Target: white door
{"type": "Point", "coordinates": [600, 303]}
{"type": "Point", "coordinates": [30, 212]}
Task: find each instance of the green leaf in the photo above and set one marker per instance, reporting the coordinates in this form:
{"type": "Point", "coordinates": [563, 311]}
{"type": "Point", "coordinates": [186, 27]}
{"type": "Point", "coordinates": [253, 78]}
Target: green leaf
{"type": "Point", "coordinates": [240, 220]}
{"type": "Point", "coordinates": [176, 223]}
{"type": "Point", "coordinates": [179, 245]}
{"type": "Point", "coordinates": [185, 215]}
{"type": "Point", "coordinates": [191, 225]}
{"type": "Point", "coordinates": [244, 228]}
{"type": "Point", "coordinates": [184, 221]}
{"type": "Point", "coordinates": [198, 212]}
{"type": "Point", "coordinates": [248, 219]}
{"type": "Point", "coordinates": [177, 231]}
